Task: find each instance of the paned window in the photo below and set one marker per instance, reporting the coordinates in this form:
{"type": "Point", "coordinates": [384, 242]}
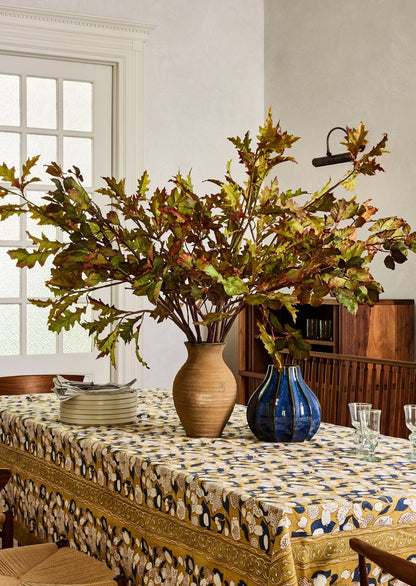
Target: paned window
{"type": "Point", "coordinates": [63, 111]}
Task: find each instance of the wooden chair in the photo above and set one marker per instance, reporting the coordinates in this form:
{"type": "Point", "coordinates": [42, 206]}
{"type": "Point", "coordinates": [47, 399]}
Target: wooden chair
{"type": "Point", "coordinates": [26, 384]}
{"type": "Point", "coordinates": [6, 517]}
{"type": "Point", "coordinates": [48, 563]}
{"type": "Point", "coordinates": [53, 563]}
{"type": "Point", "coordinates": [398, 567]}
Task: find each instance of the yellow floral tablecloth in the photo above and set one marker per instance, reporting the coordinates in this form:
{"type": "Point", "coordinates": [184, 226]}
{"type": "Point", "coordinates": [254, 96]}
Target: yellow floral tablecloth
{"type": "Point", "coordinates": [167, 509]}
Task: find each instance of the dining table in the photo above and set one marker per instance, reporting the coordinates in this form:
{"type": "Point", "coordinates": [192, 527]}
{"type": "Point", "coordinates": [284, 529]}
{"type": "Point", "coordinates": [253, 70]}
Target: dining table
{"type": "Point", "coordinates": [164, 508]}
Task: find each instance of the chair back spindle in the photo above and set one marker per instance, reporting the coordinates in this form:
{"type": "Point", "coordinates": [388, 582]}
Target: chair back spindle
{"type": "Point", "coordinates": [338, 379]}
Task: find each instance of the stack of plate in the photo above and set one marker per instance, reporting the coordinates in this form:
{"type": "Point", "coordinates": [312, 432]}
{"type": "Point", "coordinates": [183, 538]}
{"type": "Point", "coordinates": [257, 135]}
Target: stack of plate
{"type": "Point", "coordinates": [100, 408]}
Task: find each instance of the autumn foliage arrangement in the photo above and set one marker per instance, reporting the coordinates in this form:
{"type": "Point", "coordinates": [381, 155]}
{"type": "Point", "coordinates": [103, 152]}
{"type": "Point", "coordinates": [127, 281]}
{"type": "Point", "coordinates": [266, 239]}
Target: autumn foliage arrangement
{"type": "Point", "coordinates": [200, 259]}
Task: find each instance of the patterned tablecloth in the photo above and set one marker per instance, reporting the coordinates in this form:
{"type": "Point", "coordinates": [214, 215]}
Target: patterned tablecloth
{"type": "Point", "coordinates": [173, 510]}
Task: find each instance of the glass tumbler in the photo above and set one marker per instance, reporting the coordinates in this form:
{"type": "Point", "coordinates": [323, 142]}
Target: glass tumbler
{"type": "Point", "coordinates": [355, 409]}
{"type": "Point", "coordinates": [370, 431]}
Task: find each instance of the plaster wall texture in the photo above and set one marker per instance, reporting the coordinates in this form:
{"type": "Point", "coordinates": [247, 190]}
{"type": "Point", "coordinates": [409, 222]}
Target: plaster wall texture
{"type": "Point", "coordinates": [213, 71]}
{"type": "Point", "coordinates": [333, 63]}
{"type": "Point", "coordinates": [203, 82]}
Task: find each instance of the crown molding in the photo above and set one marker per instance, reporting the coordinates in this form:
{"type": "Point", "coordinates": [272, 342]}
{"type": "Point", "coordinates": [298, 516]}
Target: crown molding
{"type": "Point", "coordinates": [68, 20]}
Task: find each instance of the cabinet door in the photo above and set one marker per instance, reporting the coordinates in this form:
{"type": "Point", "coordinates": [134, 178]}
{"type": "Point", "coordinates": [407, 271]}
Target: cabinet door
{"type": "Point", "coordinates": [385, 330]}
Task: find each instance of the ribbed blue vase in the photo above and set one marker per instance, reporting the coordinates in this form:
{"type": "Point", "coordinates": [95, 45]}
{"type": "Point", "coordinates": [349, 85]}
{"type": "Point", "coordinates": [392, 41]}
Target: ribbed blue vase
{"type": "Point", "coordinates": [283, 408]}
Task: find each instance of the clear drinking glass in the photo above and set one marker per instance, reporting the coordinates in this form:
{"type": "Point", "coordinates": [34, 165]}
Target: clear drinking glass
{"type": "Point", "coordinates": [370, 430]}
{"type": "Point", "coordinates": [410, 417]}
{"type": "Point", "coordinates": [355, 409]}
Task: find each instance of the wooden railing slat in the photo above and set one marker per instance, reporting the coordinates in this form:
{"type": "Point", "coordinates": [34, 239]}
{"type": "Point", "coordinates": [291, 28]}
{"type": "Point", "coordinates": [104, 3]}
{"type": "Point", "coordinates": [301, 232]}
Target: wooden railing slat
{"type": "Point", "coordinates": [338, 379]}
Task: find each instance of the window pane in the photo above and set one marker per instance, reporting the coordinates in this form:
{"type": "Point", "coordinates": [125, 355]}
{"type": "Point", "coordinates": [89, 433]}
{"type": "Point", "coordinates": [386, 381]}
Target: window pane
{"type": "Point", "coordinates": [36, 278]}
{"type": "Point", "coordinates": [77, 105]}
{"type": "Point", "coordinates": [41, 102]}
{"type": "Point", "coordinates": [50, 112]}
{"type": "Point", "coordinates": [10, 228]}
{"type": "Point", "coordinates": [45, 146]}
{"type": "Point", "coordinates": [78, 151]}
{"type": "Point", "coordinates": [9, 100]}
{"type": "Point", "coordinates": [40, 340]}
{"type": "Point", "coordinates": [9, 287]}
{"type": "Point", "coordinates": [9, 330]}
{"type": "Point", "coordinates": [77, 339]}
{"type": "Point", "coordinates": [10, 149]}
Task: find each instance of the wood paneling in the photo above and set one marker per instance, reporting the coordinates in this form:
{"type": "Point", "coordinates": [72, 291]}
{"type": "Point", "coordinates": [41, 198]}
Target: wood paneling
{"type": "Point", "coordinates": [385, 330]}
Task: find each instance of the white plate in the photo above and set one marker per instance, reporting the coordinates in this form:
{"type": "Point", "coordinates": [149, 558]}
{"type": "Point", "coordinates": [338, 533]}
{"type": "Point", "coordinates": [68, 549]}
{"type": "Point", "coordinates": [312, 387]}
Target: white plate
{"type": "Point", "coordinates": [98, 404]}
{"type": "Point", "coordinates": [104, 408]}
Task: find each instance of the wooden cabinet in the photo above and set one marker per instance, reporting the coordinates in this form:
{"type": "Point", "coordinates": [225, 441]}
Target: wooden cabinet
{"type": "Point", "coordinates": [384, 331]}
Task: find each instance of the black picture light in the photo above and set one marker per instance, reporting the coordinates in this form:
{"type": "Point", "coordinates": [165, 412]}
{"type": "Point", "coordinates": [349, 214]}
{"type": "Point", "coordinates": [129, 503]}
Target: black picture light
{"type": "Point", "coordinates": [331, 159]}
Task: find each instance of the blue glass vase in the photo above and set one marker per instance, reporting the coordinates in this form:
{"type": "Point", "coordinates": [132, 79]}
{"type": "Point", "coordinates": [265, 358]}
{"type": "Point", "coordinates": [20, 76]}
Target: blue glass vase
{"type": "Point", "coordinates": [283, 408]}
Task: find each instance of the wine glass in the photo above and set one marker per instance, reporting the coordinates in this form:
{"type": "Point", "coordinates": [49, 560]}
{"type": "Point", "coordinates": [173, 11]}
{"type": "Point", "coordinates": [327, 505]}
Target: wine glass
{"type": "Point", "coordinates": [370, 430]}
{"type": "Point", "coordinates": [410, 417]}
{"type": "Point", "coordinates": [355, 409]}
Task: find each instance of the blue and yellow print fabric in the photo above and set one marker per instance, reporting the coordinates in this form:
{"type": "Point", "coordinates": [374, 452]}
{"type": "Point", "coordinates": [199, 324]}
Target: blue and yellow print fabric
{"type": "Point", "coordinates": [167, 509]}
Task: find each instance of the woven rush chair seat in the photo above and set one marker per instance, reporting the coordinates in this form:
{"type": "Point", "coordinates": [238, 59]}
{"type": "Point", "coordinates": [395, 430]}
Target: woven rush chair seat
{"type": "Point", "coordinates": [50, 565]}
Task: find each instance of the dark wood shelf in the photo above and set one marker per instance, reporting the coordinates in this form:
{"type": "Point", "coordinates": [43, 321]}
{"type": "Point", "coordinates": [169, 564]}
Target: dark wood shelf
{"type": "Point", "coordinates": [384, 331]}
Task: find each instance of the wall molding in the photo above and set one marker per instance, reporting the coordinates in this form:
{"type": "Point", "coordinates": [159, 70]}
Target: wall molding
{"type": "Point", "coordinates": [71, 19]}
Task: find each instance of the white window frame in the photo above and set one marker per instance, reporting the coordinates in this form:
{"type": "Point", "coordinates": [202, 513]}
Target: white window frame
{"type": "Point", "coordinates": [46, 33]}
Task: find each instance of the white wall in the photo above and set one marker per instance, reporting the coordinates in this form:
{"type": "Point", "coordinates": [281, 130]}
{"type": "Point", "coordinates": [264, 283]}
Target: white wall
{"type": "Point", "coordinates": [335, 63]}
{"type": "Point", "coordinates": [326, 63]}
{"type": "Point", "coordinates": [204, 82]}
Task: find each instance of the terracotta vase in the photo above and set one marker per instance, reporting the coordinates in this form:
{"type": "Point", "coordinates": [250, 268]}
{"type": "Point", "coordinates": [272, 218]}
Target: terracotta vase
{"type": "Point", "coordinates": [204, 391]}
